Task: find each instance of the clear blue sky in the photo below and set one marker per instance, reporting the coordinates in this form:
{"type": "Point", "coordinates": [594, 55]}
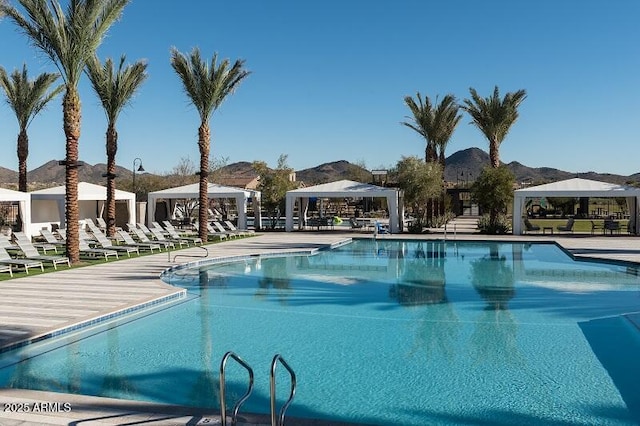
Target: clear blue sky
{"type": "Point", "coordinates": [329, 77]}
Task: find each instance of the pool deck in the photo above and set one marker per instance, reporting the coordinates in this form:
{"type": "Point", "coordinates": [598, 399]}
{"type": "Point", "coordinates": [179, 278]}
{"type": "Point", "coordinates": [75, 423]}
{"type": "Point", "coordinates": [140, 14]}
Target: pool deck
{"type": "Point", "coordinates": [38, 306]}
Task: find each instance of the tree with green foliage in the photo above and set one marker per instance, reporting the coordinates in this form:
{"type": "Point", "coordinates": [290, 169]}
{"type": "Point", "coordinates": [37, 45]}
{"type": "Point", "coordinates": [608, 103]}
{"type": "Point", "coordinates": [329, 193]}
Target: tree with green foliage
{"type": "Point", "coordinates": [115, 89]}
{"type": "Point", "coordinates": [273, 186]}
{"type": "Point", "coordinates": [27, 98]}
{"type": "Point", "coordinates": [207, 85]}
{"type": "Point", "coordinates": [69, 39]}
{"type": "Point", "coordinates": [421, 182]}
{"type": "Point", "coordinates": [494, 117]}
{"type": "Point", "coordinates": [434, 122]}
{"type": "Point", "coordinates": [493, 192]}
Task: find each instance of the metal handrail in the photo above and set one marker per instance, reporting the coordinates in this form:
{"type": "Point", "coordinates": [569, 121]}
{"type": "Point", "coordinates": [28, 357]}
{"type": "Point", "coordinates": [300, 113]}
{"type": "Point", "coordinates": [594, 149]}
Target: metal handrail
{"type": "Point", "coordinates": [236, 408]}
{"type": "Point", "coordinates": [279, 421]}
{"type": "Point", "coordinates": [206, 254]}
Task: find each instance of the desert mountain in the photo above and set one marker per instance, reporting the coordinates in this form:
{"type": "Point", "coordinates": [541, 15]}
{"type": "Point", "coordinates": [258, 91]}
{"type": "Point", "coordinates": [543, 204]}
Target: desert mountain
{"type": "Point", "coordinates": [463, 165]}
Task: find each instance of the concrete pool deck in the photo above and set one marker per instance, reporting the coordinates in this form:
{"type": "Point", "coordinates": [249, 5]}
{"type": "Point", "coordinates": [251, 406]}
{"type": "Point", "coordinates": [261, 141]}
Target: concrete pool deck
{"type": "Point", "coordinates": [40, 305]}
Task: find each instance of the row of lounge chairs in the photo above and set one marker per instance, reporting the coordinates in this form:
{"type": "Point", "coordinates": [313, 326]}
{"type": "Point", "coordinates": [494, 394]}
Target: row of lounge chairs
{"type": "Point", "coordinates": [94, 243]}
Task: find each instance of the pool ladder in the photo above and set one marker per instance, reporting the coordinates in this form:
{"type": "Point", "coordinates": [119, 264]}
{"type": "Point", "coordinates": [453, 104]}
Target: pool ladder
{"type": "Point", "coordinates": [277, 419]}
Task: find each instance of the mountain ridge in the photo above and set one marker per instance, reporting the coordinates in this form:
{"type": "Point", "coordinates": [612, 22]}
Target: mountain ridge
{"type": "Point", "coordinates": [461, 166]}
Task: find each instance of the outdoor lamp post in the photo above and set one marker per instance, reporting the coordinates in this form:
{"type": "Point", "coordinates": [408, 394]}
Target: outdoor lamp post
{"type": "Point", "coordinates": [139, 169]}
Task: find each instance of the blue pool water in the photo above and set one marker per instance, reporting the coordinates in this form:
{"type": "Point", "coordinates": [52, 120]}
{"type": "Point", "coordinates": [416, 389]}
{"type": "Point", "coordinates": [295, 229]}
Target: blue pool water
{"type": "Point", "coordinates": [393, 332]}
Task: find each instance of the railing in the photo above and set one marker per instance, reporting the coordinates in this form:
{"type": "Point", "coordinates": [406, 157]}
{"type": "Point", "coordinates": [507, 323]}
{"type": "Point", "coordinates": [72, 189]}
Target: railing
{"type": "Point", "coordinates": [236, 408]}
{"type": "Point", "coordinates": [206, 254]}
{"type": "Point", "coordinates": [279, 420]}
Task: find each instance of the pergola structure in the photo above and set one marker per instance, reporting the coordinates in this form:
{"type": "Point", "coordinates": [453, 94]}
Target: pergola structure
{"type": "Point", "coordinates": [48, 205]}
{"type": "Point", "coordinates": [24, 205]}
{"type": "Point", "coordinates": [577, 188]}
{"type": "Point", "coordinates": [192, 191]}
{"type": "Point", "coordinates": [345, 189]}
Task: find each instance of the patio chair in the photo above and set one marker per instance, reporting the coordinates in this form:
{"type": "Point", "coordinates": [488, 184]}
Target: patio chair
{"type": "Point", "coordinates": [106, 243]}
{"type": "Point", "coordinates": [233, 228]}
{"type": "Point", "coordinates": [530, 227]}
{"type": "Point", "coordinates": [142, 237]}
{"type": "Point", "coordinates": [5, 259]}
{"type": "Point", "coordinates": [6, 268]}
{"type": "Point", "coordinates": [566, 228]}
{"type": "Point", "coordinates": [220, 229]}
{"type": "Point", "coordinates": [21, 236]}
{"type": "Point", "coordinates": [354, 223]}
{"type": "Point", "coordinates": [129, 241]}
{"type": "Point", "coordinates": [159, 236]}
{"type": "Point", "coordinates": [211, 231]}
{"type": "Point", "coordinates": [50, 238]}
{"type": "Point", "coordinates": [31, 253]}
{"type": "Point", "coordinates": [89, 251]}
{"type": "Point", "coordinates": [380, 228]}
{"type": "Point", "coordinates": [596, 226]}
{"type": "Point", "coordinates": [173, 234]}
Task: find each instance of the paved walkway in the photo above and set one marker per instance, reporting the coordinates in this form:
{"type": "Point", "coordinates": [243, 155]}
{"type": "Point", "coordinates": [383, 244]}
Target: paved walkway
{"type": "Point", "coordinates": [39, 305]}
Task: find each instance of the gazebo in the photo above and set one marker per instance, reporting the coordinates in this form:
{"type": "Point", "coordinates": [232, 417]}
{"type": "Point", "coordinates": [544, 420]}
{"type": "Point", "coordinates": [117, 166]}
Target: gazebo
{"type": "Point", "coordinates": [24, 205]}
{"type": "Point", "coordinates": [346, 189]}
{"type": "Point", "coordinates": [578, 188]}
{"type": "Point", "coordinates": [48, 205]}
{"type": "Point", "coordinates": [192, 191]}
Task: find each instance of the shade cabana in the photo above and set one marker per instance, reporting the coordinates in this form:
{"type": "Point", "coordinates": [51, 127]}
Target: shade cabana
{"type": "Point", "coordinates": [577, 188]}
{"type": "Point", "coordinates": [48, 205]}
{"type": "Point", "coordinates": [24, 205]}
{"type": "Point", "coordinates": [214, 191]}
{"type": "Point", "coordinates": [345, 189]}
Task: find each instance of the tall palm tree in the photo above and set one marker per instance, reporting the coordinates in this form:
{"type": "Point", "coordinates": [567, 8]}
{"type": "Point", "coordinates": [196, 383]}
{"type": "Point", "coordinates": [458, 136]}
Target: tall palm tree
{"type": "Point", "coordinates": [207, 86]}
{"type": "Point", "coordinates": [422, 123]}
{"type": "Point", "coordinates": [69, 39]}
{"type": "Point", "coordinates": [27, 98]}
{"type": "Point", "coordinates": [494, 117]}
{"type": "Point", "coordinates": [115, 89]}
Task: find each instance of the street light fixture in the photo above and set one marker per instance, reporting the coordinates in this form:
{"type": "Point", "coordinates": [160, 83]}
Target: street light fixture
{"type": "Point", "coordinates": [139, 169]}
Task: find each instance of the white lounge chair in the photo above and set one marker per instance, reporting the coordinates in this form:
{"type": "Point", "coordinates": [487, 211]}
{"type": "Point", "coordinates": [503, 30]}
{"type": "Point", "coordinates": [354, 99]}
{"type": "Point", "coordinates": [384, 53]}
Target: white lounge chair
{"type": "Point", "coordinates": [129, 241]}
{"type": "Point", "coordinates": [31, 253]}
{"type": "Point", "coordinates": [5, 259]}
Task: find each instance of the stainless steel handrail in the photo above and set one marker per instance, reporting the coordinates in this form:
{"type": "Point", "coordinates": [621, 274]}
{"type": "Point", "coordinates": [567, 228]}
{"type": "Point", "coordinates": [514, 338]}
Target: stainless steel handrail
{"type": "Point", "coordinates": [223, 408]}
{"type": "Point", "coordinates": [279, 421]}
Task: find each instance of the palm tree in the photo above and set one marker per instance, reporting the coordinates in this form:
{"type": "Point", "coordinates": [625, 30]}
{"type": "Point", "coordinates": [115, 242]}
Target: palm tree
{"type": "Point", "coordinates": [115, 89]}
{"type": "Point", "coordinates": [206, 85]}
{"type": "Point", "coordinates": [434, 122]}
{"type": "Point", "coordinates": [69, 40]}
{"type": "Point", "coordinates": [27, 98]}
{"type": "Point", "coordinates": [494, 117]}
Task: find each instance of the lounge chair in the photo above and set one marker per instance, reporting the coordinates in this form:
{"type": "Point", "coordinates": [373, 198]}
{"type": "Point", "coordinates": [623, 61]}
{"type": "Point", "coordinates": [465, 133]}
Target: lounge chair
{"type": "Point", "coordinates": [168, 226]}
{"type": "Point", "coordinates": [530, 227]}
{"type": "Point", "coordinates": [21, 236]}
{"type": "Point", "coordinates": [354, 223]}
{"type": "Point", "coordinates": [596, 226]}
{"type": "Point", "coordinates": [50, 238]}
{"type": "Point", "coordinates": [566, 228]}
{"type": "Point", "coordinates": [142, 237]}
{"type": "Point", "coordinates": [212, 232]}
{"type": "Point", "coordinates": [31, 253]}
{"type": "Point", "coordinates": [5, 259]}
{"type": "Point", "coordinates": [233, 228]}
{"type": "Point", "coordinates": [88, 251]}
{"type": "Point", "coordinates": [129, 241]}
{"type": "Point", "coordinates": [158, 235]}
{"type": "Point", "coordinates": [173, 234]}
{"type": "Point", "coordinates": [221, 230]}
{"type": "Point", "coordinates": [6, 268]}
{"type": "Point", "coordinates": [106, 243]}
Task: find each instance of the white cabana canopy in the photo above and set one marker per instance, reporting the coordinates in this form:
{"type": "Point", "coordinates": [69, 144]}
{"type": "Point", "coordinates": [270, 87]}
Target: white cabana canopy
{"type": "Point", "coordinates": [24, 204]}
{"type": "Point", "coordinates": [577, 188]}
{"type": "Point", "coordinates": [192, 191]}
{"type": "Point", "coordinates": [48, 205]}
{"type": "Point", "coordinates": [345, 189]}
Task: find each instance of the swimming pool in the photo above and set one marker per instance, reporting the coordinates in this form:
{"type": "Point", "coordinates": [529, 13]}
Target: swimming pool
{"type": "Point", "coordinates": [386, 332]}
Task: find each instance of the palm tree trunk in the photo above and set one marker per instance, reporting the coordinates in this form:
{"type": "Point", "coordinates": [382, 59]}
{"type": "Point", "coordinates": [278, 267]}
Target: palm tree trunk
{"type": "Point", "coordinates": [204, 138]}
{"type": "Point", "coordinates": [71, 119]}
{"type": "Point", "coordinates": [23, 153]}
{"type": "Point", "coordinates": [494, 154]}
{"type": "Point", "coordinates": [112, 149]}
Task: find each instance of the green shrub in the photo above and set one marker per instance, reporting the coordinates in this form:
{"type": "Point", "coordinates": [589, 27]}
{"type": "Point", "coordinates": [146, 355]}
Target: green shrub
{"type": "Point", "coordinates": [502, 225]}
